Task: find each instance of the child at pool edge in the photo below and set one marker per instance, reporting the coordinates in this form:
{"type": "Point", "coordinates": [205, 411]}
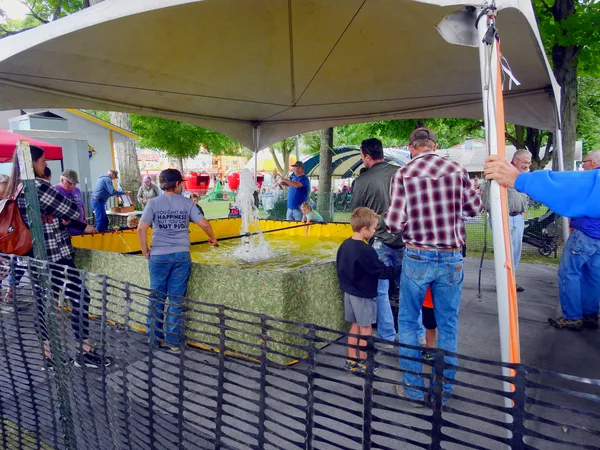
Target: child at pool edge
{"type": "Point", "coordinates": [132, 223]}
{"type": "Point", "coordinates": [359, 268]}
{"type": "Point", "coordinates": [169, 261]}
{"type": "Point", "coordinates": [309, 215]}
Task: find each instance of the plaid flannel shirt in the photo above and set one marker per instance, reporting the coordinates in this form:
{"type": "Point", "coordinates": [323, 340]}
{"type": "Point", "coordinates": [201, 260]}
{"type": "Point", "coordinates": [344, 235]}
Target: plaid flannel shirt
{"type": "Point", "coordinates": [429, 198]}
{"type": "Point", "coordinates": [54, 207]}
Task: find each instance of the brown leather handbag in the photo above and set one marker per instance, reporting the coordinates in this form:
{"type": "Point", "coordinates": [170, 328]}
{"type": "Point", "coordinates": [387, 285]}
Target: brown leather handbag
{"type": "Point", "coordinates": [15, 237]}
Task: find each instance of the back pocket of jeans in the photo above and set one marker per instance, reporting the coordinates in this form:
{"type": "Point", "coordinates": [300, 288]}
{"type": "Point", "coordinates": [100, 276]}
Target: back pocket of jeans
{"type": "Point", "coordinates": [454, 272]}
{"type": "Point", "coordinates": [414, 268]}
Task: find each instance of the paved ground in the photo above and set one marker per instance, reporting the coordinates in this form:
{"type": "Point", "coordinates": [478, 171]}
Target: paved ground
{"type": "Point", "coordinates": [177, 407]}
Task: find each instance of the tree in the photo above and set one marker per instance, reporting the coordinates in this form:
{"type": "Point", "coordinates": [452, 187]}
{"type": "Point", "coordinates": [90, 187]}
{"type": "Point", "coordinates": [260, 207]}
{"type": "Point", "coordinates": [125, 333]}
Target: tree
{"type": "Point", "coordinates": [533, 140]}
{"type": "Point", "coordinates": [285, 147]}
{"type": "Point", "coordinates": [180, 140]}
{"type": "Point", "coordinates": [130, 176]}
{"type": "Point", "coordinates": [325, 172]}
{"type": "Point", "coordinates": [41, 12]}
{"type": "Point", "coordinates": [588, 125]}
{"type": "Point", "coordinates": [571, 36]}
{"type": "Point", "coordinates": [448, 132]}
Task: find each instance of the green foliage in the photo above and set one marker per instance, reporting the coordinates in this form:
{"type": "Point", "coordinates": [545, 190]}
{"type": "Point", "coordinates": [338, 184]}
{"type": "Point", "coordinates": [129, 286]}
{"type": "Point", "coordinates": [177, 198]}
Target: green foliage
{"type": "Point", "coordinates": [449, 132]}
{"type": "Point", "coordinates": [102, 115]}
{"type": "Point", "coordinates": [178, 139]}
{"type": "Point", "coordinates": [588, 125]}
{"type": "Point", "coordinates": [40, 12]}
{"type": "Point", "coordinates": [579, 29]}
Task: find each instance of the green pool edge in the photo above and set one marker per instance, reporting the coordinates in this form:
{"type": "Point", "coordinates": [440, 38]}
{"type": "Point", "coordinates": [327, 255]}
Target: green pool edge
{"type": "Point", "coordinates": [308, 294]}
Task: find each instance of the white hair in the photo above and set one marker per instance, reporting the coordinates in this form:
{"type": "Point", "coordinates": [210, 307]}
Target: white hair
{"type": "Point", "coordinates": [595, 156]}
{"type": "Point", "coordinates": [522, 153]}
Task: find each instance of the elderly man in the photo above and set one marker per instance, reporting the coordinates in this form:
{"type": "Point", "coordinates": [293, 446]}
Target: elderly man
{"type": "Point", "coordinates": [102, 192]}
{"type": "Point", "coordinates": [579, 270]}
{"type": "Point", "coordinates": [517, 205]}
{"type": "Point", "coordinates": [570, 194]}
{"type": "Point", "coordinates": [430, 197]}
{"type": "Point", "coordinates": [372, 190]}
{"type": "Point", "coordinates": [148, 190]}
{"type": "Point", "coordinates": [68, 188]}
{"type": "Point", "coordinates": [299, 185]}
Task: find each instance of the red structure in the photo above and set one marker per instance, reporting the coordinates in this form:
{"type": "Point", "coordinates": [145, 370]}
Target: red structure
{"type": "Point", "coordinates": [233, 181]}
{"type": "Point", "coordinates": [197, 183]}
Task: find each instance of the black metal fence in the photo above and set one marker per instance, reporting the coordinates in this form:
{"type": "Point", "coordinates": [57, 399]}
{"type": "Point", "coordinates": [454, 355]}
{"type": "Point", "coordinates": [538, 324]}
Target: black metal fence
{"type": "Point", "coordinates": [208, 396]}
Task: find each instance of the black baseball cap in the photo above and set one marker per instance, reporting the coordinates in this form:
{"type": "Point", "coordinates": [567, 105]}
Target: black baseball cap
{"type": "Point", "coordinates": [421, 134]}
{"type": "Point", "coordinates": [298, 164]}
{"type": "Point", "coordinates": [170, 175]}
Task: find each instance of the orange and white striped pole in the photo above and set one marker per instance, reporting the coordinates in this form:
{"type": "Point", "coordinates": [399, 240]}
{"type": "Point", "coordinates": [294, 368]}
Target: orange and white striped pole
{"type": "Point", "coordinates": [493, 108]}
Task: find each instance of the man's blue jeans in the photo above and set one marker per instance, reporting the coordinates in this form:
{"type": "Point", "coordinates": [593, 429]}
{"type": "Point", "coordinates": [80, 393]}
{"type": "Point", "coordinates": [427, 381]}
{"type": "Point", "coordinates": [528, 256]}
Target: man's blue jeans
{"type": "Point", "coordinates": [517, 227]}
{"type": "Point", "coordinates": [579, 276]}
{"type": "Point", "coordinates": [99, 207]}
{"type": "Point", "coordinates": [169, 274]}
{"type": "Point", "coordinates": [293, 214]}
{"type": "Point", "coordinates": [391, 257]}
{"type": "Point", "coordinates": [443, 271]}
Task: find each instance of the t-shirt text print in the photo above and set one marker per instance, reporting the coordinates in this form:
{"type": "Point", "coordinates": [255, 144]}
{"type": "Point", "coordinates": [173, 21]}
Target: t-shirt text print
{"type": "Point", "coordinates": [170, 216]}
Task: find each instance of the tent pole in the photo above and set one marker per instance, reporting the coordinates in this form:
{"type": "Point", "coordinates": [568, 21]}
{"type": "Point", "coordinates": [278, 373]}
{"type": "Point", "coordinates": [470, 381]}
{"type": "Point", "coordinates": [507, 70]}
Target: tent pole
{"type": "Point", "coordinates": [34, 216]}
{"type": "Point", "coordinates": [488, 61]}
{"type": "Point", "coordinates": [255, 143]}
{"type": "Point", "coordinates": [558, 146]}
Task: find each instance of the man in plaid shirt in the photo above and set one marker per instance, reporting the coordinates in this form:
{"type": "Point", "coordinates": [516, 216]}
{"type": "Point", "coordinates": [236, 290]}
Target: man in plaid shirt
{"type": "Point", "coordinates": [429, 198]}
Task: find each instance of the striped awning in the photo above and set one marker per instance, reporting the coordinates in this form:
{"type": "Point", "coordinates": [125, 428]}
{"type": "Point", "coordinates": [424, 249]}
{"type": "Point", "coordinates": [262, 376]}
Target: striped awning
{"type": "Point", "coordinates": [346, 162]}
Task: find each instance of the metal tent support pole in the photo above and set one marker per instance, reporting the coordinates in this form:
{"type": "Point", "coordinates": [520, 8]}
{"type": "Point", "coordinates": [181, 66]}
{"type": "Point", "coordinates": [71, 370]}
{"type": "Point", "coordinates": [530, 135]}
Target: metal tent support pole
{"type": "Point", "coordinates": [558, 146]}
{"type": "Point", "coordinates": [488, 61]}
{"type": "Point", "coordinates": [34, 217]}
{"type": "Point", "coordinates": [255, 143]}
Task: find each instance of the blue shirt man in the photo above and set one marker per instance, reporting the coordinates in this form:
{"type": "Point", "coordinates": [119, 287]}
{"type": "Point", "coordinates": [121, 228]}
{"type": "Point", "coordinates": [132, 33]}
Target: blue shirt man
{"type": "Point", "coordinates": [102, 192]}
{"type": "Point", "coordinates": [299, 185]}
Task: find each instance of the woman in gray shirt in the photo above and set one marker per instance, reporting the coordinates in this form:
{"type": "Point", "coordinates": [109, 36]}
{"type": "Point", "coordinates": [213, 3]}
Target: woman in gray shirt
{"type": "Point", "coordinates": [169, 258]}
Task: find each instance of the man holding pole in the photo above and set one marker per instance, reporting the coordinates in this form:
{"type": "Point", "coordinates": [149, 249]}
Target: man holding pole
{"type": "Point", "coordinates": [429, 198]}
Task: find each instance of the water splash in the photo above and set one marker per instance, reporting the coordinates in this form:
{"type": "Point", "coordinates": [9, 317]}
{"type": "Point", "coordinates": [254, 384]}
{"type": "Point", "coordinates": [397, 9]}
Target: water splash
{"type": "Point", "coordinates": [253, 248]}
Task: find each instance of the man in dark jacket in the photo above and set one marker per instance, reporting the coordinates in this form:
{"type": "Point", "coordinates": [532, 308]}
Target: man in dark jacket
{"type": "Point", "coordinates": [372, 190]}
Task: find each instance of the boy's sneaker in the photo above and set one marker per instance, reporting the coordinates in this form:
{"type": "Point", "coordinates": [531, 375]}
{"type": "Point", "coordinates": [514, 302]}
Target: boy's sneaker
{"type": "Point", "coordinates": [175, 349]}
{"type": "Point", "coordinates": [350, 365]}
{"type": "Point", "coordinates": [92, 360]}
{"type": "Point", "coordinates": [571, 324]}
{"type": "Point", "coordinates": [49, 366]}
{"type": "Point", "coordinates": [427, 355]}
{"type": "Point", "coordinates": [590, 321]}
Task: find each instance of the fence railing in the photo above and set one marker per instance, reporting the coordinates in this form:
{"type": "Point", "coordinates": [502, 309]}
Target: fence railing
{"type": "Point", "coordinates": [232, 384]}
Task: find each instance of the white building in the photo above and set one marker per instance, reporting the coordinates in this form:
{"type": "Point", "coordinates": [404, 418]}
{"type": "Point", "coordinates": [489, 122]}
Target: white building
{"type": "Point", "coordinates": [87, 142]}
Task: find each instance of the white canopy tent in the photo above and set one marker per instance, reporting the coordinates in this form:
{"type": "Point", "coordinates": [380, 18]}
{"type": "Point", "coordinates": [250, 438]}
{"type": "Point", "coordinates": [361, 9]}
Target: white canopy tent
{"type": "Point", "coordinates": [263, 70]}
{"type": "Point", "coordinates": [281, 67]}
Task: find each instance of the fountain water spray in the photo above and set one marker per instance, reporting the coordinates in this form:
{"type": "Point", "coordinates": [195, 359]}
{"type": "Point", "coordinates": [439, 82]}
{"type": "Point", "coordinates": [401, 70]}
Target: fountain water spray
{"type": "Point", "coordinates": [254, 247]}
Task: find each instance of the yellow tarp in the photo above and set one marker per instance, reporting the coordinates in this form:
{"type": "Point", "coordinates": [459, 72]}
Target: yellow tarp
{"type": "Point", "coordinates": [127, 241]}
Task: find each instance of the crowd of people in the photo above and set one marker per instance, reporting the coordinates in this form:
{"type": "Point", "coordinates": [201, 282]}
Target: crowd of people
{"type": "Point", "coordinates": [412, 218]}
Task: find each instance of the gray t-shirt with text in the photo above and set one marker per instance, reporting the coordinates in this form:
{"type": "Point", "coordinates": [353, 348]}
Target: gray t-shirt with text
{"type": "Point", "coordinates": [170, 216]}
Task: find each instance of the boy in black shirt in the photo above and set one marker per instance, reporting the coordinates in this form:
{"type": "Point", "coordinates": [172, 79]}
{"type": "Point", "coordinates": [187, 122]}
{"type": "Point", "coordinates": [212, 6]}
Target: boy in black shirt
{"type": "Point", "coordinates": [359, 269]}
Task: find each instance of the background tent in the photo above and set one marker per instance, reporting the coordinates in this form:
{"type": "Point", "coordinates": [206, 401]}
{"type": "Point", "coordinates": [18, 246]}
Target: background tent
{"type": "Point", "coordinates": [346, 162]}
{"type": "Point", "coordinates": [8, 143]}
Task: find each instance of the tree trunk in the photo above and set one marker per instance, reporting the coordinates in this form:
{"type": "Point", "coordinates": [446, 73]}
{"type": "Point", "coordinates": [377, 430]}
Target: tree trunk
{"type": "Point", "coordinates": [129, 169]}
{"type": "Point", "coordinates": [565, 61]}
{"type": "Point", "coordinates": [176, 163]}
{"type": "Point", "coordinates": [325, 172]}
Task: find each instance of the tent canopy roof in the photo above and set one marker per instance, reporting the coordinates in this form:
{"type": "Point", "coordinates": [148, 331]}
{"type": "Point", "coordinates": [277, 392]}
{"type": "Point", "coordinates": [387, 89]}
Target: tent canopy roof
{"type": "Point", "coordinates": [290, 66]}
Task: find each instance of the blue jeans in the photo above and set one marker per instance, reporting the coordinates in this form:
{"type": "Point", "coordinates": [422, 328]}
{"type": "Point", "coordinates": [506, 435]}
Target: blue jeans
{"type": "Point", "coordinates": [293, 214]}
{"type": "Point", "coordinates": [517, 227]}
{"type": "Point", "coordinates": [99, 208]}
{"type": "Point", "coordinates": [443, 271]}
{"type": "Point", "coordinates": [579, 276]}
{"type": "Point", "coordinates": [169, 274]}
{"type": "Point", "coordinates": [391, 257]}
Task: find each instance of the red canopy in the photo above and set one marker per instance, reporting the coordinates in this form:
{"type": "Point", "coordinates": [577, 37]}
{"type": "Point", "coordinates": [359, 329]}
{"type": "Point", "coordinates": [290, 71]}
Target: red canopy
{"type": "Point", "coordinates": [8, 143]}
